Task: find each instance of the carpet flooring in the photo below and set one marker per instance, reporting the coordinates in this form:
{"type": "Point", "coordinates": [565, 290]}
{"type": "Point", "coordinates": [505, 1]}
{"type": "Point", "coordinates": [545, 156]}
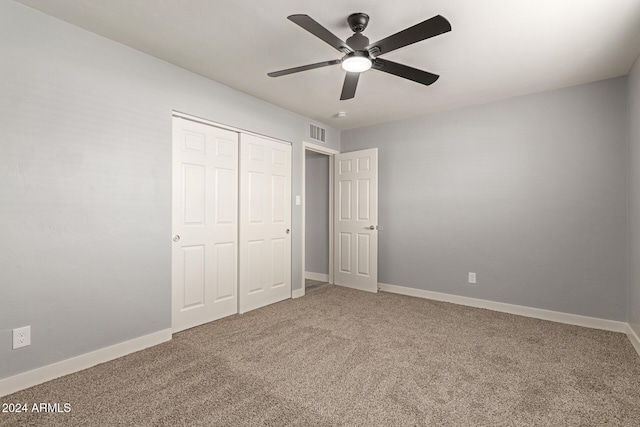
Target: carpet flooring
{"type": "Point", "coordinates": [342, 357]}
{"type": "Point", "coordinates": [313, 285]}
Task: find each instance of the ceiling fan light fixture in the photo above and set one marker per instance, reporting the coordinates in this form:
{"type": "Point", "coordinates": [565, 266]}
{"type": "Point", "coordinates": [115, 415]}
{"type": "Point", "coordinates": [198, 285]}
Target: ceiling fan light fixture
{"type": "Point", "coordinates": [356, 62]}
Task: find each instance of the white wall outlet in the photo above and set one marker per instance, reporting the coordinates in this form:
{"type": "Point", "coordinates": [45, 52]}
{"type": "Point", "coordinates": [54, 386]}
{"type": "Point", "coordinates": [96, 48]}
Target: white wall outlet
{"type": "Point", "coordinates": [21, 337]}
{"type": "Point", "coordinates": [472, 277]}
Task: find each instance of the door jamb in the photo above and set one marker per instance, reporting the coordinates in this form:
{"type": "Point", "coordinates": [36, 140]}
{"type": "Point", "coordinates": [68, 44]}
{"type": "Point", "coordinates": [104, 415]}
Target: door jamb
{"type": "Point", "coordinates": [309, 146]}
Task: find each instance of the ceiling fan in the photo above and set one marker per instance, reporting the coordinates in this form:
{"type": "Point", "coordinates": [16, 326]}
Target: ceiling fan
{"type": "Point", "coordinates": [360, 55]}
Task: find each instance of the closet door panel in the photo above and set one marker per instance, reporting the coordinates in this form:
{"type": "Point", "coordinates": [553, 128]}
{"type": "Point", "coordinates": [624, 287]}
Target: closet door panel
{"type": "Point", "coordinates": [204, 224]}
{"type": "Point", "coordinates": [265, 222]}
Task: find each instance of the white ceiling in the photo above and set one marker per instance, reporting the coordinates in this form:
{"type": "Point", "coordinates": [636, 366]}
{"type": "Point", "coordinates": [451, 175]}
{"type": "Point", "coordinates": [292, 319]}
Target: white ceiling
{"type": "Point", "coordinates": [496, 49]}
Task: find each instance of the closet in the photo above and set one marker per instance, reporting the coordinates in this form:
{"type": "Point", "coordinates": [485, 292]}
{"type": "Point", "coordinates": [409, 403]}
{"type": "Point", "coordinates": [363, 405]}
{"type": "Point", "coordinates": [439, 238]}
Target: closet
{"type": "Point", "coordinates": [231, 222]}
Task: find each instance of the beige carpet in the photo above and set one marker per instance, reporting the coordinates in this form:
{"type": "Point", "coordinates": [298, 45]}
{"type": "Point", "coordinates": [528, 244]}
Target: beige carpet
{"type": "Point", "coordinates": [342, 357]}
{"type": "Point", "coordinates": [313, 285]}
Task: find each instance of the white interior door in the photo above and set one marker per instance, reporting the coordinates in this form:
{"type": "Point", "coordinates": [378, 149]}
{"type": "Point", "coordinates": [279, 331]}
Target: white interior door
{"type": "Point", "coordinates": [265, 222]}
{"type": "Point", "coordinates": [205, 225]}
{"type": "Point", "coordinates": [356, 220]}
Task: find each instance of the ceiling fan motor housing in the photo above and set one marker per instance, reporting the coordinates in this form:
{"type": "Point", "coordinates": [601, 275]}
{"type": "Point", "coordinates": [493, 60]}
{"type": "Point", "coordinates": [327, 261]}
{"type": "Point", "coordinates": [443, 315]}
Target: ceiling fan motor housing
{"type": "Point", "coordinates": [358, 41]}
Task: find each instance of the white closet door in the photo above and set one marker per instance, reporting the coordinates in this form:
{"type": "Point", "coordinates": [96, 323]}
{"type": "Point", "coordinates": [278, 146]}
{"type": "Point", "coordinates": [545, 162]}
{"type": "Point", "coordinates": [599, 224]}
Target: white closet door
{"type": "Point", "coordinates": [265, 222]}
{"type": "Point", "coordinates": [205, 225]}
{"type": "Point", "coordinates": [356, 220]}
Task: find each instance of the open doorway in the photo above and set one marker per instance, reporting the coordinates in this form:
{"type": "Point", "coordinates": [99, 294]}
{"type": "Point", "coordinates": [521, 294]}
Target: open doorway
{"type": "Point", "coordinates": [316, 202]}
{"type": "Point", "coordinates": [317, 215]}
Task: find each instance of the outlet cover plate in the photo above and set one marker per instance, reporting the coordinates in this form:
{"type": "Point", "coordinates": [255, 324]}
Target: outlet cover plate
{"type": "Point", "coordinates": [472, 278]}
{"type": "Point", "coordinates": [21, 337]}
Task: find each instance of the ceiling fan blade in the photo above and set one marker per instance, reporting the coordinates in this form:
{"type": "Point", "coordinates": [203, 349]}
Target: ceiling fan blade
{"type": "Point", "coordinates": [405, 71]}
{"type": "Point", "coordinates": [349, 87]}
{"type": "Point", "coordinates": [303, 68]}
{"type": "Point", "coordinates": [422, 31]}
{"type": "Point", "coordinates": [309, 24]}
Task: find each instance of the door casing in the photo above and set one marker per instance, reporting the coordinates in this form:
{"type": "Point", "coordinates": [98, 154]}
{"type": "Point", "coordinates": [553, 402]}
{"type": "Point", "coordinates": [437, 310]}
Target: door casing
{"type": "Point", "coordinates": [309, 146]}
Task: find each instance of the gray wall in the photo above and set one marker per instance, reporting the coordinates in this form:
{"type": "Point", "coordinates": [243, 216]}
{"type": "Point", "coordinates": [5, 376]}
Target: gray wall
{"type": "Point", "coordinates": [530, 193]}
{"type": "Point", "coordinates": [85, 173]}
{"type": "Point", "coordinates": [633, 295]}
{"type": "Point", "coordinates": [317, 213]}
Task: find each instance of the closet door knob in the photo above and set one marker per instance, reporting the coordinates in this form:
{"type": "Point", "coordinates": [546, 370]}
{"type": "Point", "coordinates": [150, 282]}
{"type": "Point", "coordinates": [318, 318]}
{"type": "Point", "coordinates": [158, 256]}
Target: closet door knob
{"type": "Point", "coordinates": [288, 231]}
{"type": "Point", "coordinates": [176, 238]}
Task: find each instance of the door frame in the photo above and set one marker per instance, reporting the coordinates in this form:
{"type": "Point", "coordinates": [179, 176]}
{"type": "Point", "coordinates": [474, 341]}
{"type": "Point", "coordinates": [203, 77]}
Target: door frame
{"type": "Point", "coordinates": [238, 130]}
{"type": "Point", "coordinates": [330, 152]}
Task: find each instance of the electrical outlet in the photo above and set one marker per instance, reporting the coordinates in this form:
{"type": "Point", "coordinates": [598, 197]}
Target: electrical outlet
{"type": "Point", "coordinates": [21, 337]}
{"type": "Point", "coordinates": [472, 277]}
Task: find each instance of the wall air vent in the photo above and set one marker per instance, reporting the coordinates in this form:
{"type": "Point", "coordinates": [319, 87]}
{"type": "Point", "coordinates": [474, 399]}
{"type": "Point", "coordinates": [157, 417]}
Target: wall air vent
{"type": "Point", "coordinates": [317, 133]}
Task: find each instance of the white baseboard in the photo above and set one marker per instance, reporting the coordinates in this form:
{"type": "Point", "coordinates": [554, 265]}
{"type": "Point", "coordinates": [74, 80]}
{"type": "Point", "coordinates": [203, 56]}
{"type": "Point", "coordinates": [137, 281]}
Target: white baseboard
{"type": "Point", "coordinates": [65, 367]}
{"type": "Point", "coordinates": [538, 313]}
{"type": "Point", "coordinates": [297, 293]}
{"type": "Point", "coordinates": [633, 337]}
{"type": "Point", "coordinates": [320, 277]}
